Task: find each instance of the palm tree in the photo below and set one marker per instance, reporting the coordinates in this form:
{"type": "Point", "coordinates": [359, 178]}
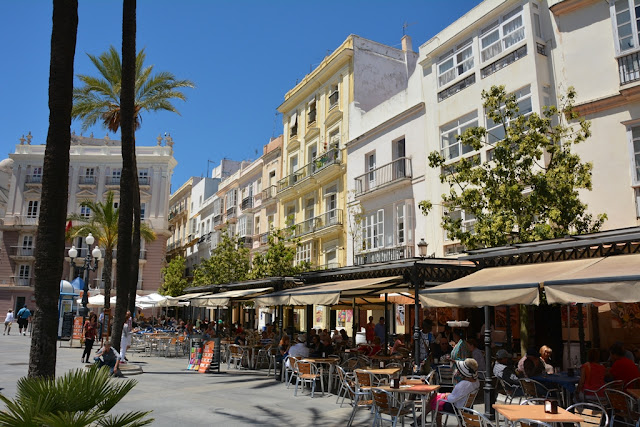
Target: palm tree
{"type": "Point", "coordinates": [49, 251]}
{"type": "Point", "coordinates": [99, 97]}
{"type": "Point", "coordinates": [78, 398]}
{"type": "Point", "coordinates": [103, 225]}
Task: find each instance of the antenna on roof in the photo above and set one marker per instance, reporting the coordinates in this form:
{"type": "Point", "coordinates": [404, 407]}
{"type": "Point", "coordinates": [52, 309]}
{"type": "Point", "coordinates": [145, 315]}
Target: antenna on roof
{"type": "Point", "coordinates": [405, 26]}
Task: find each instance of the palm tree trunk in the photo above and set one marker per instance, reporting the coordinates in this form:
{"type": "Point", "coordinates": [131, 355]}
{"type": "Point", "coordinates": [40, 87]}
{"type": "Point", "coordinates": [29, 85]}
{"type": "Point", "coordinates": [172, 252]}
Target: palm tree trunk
{"type": "Point", "coordinates": [106, 276]}
{"type": "Point", "coordinates": [128, 178]}
{"type": "Point", "coordinates": [135, 240]}
{"type": "Point", "coordinates": [49, 251]}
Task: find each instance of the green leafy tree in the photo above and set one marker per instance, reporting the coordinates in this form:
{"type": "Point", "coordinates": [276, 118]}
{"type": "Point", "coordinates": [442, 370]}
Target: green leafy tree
{"type": "Point", "coordinates": [230, 262]}
{"type": "Point", "coordinates": [279, 258]}
{"type": "Point", "coordinates": [529, 191]}
{"type": "Point", "coordinates": [173, 280]}
{"type": "Point", "coordinates": [79, 398]}
{"type": "Point", "coordinates": [103, 225]}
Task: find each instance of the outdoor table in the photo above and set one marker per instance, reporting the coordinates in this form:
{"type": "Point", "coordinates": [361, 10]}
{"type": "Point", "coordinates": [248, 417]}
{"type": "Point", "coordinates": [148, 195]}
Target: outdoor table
{"type": "Point", "coordinates": [567, 383]}
{"type": "Point", "coordinates": [415, 387]}
{"type": "Point", "coordinates": [377, 372]}
{"type": "Point", "coordinates": [534, 412]}
{"type": "Point", "coordinates": [331, 361]}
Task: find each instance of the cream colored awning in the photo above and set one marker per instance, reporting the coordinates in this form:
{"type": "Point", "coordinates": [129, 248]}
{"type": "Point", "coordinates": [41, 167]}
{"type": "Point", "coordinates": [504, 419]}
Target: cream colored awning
{"type": "Point", "coordinates": [516, 284]}
{"type": "Point", "coordinates": [224, 298]}
{"type": "Point", "coordinates": [175, 301]}
{"type": "Point", "coordinates": [611, 279]}
{"type": "Point", "coordinates": [329, 293]}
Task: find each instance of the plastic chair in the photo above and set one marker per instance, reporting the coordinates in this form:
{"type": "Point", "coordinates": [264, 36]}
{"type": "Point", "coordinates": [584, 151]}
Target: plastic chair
{"type": "Point", "coordinates": [307, 373]}
{"type": "Point", "coordinates": [622, 408]}
{"type": "Point", "coordinates": [362, 396]}
{"type": "Point", "coordinates": [473, 418]}
{"type": "Point", "coordinates": [592, 414]}
{"type": "Point", "coordinates": [385, 403]}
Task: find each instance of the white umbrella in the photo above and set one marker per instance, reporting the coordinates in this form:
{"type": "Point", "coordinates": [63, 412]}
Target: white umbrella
{"type": "Point", "coordinates": [151, 299]}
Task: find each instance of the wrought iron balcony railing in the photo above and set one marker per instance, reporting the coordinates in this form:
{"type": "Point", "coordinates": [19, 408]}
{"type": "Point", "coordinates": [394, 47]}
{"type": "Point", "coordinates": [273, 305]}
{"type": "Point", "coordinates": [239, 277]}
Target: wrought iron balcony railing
{"type": "Point", "coordinates": [397, 170]}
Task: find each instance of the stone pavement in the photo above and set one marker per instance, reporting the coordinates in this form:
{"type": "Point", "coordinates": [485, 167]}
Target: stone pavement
{"type": "Point", "coordinates": [177, 396]}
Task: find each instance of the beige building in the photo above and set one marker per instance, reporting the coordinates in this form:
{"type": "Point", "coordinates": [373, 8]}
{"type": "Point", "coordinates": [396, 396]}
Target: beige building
{"type": "Point", "coordinates": [179, 204]}
{"type": "Point", "coordinates": [95, 169]}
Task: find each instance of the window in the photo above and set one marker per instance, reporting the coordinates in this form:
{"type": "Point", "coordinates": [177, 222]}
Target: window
{"type": "Point", "coordinates": [334, 96]}
{"type": "Point", "coordinates": [89, 172]}
{"type": "Point", "coordinates": [496, 131]}
{"type": "Point", "coordinates": [24, 274]}
{"type": "Point", "coordinates": [245, 226]}
{"type": "Point", "coordinates": [293, 125]}
{"type": "Point", "coordinates": [331, 202]}
{"type": "Point", "coordinates": [334, 139]}
{"type": "Point", "coordinates": [370, 167]}
{"type": "Point", "coordinates": [27, 246]}
{"type": "Point", "coordinates": [36, 174]}
{"type": "Point", "coordinates": [256, 225]}
{"type": "Point", "coordinates": [449, 133]}
{"type": "Point", "coordinates": [400, 224]}
{"type": "Point", "coordinates": [399, 152]}
{"type": "Point", "coordinates": [304, 252]}
{"type": "Point", "coordinates": [637, 194]}
{"type": "Point", "coordinates": [537, 26]}
{"type": "Point", "coordinates": [311, 115]}
{"type": "Point", "coordinates": [374, 230]}
{"type": "Point", "coordinates": [143, 176]}
{"type": "Point", "coordinates": [85, 212]}
{"type": "Point", "coordinates": [143, 210]}
{"type": "Point", "coordinates": [635, 159]}
{"type": "Point", "coordinates": [32, 209]}
{"type": "Point", "coordinates": [502, 34]}
{"type": "Point", "coordinates": [231, 199]}
{"type": "Point", "coordinates": [309, 210]}
{"type": "Point", "coordinates": [115, 176]}
{"type": "Point", "coordinates": [626, 16]}
{"type": "Point", "coordinates": [455, 63]}
{"type": "Point", "coordinates": [291, 215]}
{"type": "Point", "coordinates": [468, 221]}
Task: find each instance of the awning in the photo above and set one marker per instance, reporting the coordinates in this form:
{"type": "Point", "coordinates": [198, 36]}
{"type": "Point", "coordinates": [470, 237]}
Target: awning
{"type": "Point", "coordinates": [224, 298]}
{"type": "Point", "coordinates": [329, 293]}
{"type": "Point", "coordinates": [293, 119]}
{"type": "Point", "coordinates": [510, 285]}
{"type": "Point", "coordinates": [176, 301]}
{"type": "Point", "coordinates": [611, 279]}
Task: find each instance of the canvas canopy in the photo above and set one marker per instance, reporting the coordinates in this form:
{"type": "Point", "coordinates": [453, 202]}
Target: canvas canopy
{"type": "Point", "coordinates": [331, 293]}
{"type": "Point", "coordinates": [224, 298]}
{"type": "Point", "coordinates": [180, 300]}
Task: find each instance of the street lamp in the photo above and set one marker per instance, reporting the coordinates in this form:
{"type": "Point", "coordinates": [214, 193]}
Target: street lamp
{"type": "Point", "coordinates": [422, 253]}
{"type": "Point", "coordinates": [86, 266]}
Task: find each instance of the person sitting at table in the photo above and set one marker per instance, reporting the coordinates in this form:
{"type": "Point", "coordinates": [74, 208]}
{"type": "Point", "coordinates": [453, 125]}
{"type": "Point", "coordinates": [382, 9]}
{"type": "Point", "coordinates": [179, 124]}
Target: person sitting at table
{"type": "Point", "coordinates": [622, 368]}
{"type": "Point", "coordinates": [504, 369]}
{"type": "Point", "coordinates": [376, 347]}
{"type": "Point", "coordinates": [591, 376]}
{"type": "Point", "coordinates": [325, 348]}
{"type": "Point", "coordinates": [209, 333]}
{"type": "Point", "coordinates": [240, 339]}
{"type": "Point", "coordinates": [477, 354]}
{"type": "Point", "coordinates": [531, 365]}
{"type": "Point", "coordinates": [397, 344]}
{"type": "Point", "coordinates": [345, 337]}
{"type": "Point", "coordinates": [545, 356]}
{"type": "Point", "coordinates": [460, 350]}
{"type": "Point", "coordinates": [299, 349]}
{"type": "Point", "coordinates": [466, 369]}
{"type": "Point", "coordinates": [442, 349]}
{"type": "Point", "coordinates": [315, 344]}
{"type": "Point", "coordinates": [336, 338]}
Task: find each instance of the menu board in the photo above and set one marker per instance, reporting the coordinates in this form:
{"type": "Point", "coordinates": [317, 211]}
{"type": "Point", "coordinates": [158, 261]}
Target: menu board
{"type": "Point", "coordinates": [77, 328]}
{"type": "Point", "coordinates": [195, 355]}
{"type": "Point", "coordinates": [207, 357]}
{"type": "Point", "coordinates": [67, 325]}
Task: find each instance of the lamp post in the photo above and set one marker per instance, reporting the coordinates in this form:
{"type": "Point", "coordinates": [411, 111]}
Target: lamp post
{"type": "Point", "coordinates": [86, 266]}
{"type": "Point", "coordinates": [422, 253]}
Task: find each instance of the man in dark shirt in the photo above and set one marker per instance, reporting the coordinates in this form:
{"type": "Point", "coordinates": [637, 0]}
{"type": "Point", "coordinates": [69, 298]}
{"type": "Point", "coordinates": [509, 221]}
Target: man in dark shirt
{"type": "Point", "coordinates": [442, 349]}
{"type": "Point", "coordinates": [110, 358]}
{"type": "Point", "coordinates": [325, 348]}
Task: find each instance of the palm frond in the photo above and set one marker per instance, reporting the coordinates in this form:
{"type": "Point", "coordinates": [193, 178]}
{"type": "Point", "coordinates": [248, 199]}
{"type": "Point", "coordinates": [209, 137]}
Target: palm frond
{"type": "Point", "coordinates": [129, 419]}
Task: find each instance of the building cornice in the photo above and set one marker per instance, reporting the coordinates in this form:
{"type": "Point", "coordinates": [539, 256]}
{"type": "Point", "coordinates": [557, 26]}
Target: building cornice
{"type": "Point", "coordinates": [567, 6]}
{"type": "Point", "coordinates": [386, 124]}
{"type": "Point", "coordinates": [626, 96]}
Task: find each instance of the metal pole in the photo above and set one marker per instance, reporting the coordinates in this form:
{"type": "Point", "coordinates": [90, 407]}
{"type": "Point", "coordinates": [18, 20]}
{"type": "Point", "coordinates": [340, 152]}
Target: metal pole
{"type": "Point", "coordinates": [509, 343]}
{"type": "Point", "coordinates": [386, 323]}
{"type": "Point", "coordinates": [489, 391]}
{"type": "Point", "coordinates": [416, 326]}
{"type": "Point", "coordinates": [353, 322]}
{"type": "Point", "coordinates": [583, 349]}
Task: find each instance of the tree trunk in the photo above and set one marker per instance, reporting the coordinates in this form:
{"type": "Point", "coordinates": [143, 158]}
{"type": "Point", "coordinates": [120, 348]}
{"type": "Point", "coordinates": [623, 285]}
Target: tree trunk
{"type": "Point", "coordinates": [128, 180]}
{"type": "Point", "coordinates": [106, 276]}
{"type": "Point", "coordinates": [49, 252]}
{"type": "Point", "coordinates": [135, 240]}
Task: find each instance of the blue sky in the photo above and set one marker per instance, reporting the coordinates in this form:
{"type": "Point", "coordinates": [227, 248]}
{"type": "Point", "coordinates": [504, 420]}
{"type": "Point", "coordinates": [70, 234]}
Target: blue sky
{"type": "Point", "coordinates": [242, 55]}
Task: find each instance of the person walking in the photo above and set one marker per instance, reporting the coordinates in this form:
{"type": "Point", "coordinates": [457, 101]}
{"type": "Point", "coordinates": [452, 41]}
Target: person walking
{"type": "Point", "coordinates": [7, 322]}
{"type": "Point", "coordinates": [23, 319]}
{"type": "Point", "coordinates": [90, 329]}
{"type": "Point", "coordinates": [125, 340]}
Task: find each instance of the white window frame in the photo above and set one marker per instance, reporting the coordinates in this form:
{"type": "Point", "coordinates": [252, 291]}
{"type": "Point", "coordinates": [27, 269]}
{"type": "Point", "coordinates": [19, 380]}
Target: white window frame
{"type": "Point", "coordinates": [305, 252]}
{"type": "Point", "coordinates": [505, 34]}
{"type": "Point", "coordinates": [523, 97]}
{"type": "Point", "coordinates": [36, 172]}
{"type": "Point", "coordinates": [617, 10]}
{"type": "Point", "coordinates": [468, 222]}
{"type": "Point", "coordinates": [370, 166]}
{"type": "Point", "coordinates": [454, 129]}
{"type": "Point", "coordinates": [634, 152]}
{"type": "Point", "coordinates": [456, 63]}
{"type": "Point", "coordinates": [24, 271]}
{"type": "Point", "coordinates": [401, 224]}
{"type": "Point", "coordinates": [33, 208]}
{"type": "Point", "coordinates": [85, 212]}
{"type": "Point", "coordinates": [334, 89]}
{"type": "Point", "coordinates": [374, 230]}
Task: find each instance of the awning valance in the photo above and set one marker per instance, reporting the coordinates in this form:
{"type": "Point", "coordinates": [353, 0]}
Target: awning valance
{"type": "Point", "coordinates": [328, 293]}
{"type": "Point", "coordinates": [176, 301]}
{"type": "Point", "coordinates": [224, 298]}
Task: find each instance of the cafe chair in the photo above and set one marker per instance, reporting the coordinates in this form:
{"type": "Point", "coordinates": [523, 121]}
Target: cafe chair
{"type": "Point", "coordinates": [472, 418]}
{"type": "Point", "coordinates": [468, 404]}
{"type": "Point", "coordinates": [273, 353]}
{"type": "Point", "coordinates": [623, 408]}
{"type": "Point", "coordinates": [362, 398]}
{"type": "Point", "coordinates": [593, 415]}
{"type": "Point", "coordinates": [511, 391]}
{"type": "Point", "coordinates": [263, 357]}
{"type": "Point", "coordinates": [289, 369]}
{"type": "Point", "coordinates": [386, 404]}
{"type": "Point", "coordinates": [532, 423]}
{"type": "Point", "coordinates": [347, 384]}
{"type": "Point", "coordinates": [634, 383]}
{"type": "Point", "coordinates": [598, 395]}
{"type": "Point", "coordinates": [535, 389]}
{"type": "Point", "coordinates": [350, 364]}
{"type": "Point", "coordinates": [236, 356]}
{"type": "Point", "coordinates": [307, 373]}
{"type": "Point", "coordinates": [445, 377]}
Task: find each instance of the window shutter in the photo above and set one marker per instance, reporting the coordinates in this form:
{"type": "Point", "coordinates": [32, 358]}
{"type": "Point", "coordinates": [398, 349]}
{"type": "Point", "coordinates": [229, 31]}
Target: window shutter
{"type": "Point", "coordinates": [380, 229]}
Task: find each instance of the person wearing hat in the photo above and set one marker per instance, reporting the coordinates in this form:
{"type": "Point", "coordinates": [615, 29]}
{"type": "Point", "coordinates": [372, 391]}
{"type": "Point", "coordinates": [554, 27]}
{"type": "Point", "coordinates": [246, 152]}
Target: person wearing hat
{"type": "Point", "coordinates": [503, 368]}
{"type": "Point", "coordinates": [300, 349]}
{"type": "Point", "coordinates": [468, 371]}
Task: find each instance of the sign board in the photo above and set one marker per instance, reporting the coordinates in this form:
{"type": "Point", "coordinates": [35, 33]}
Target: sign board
{"type": "Point", "coordinates": [207, 357]}
{"type": "Point", "coordinates": [67, 326]}
{"type": "Point", "coordinates": [77, 328]}
{"type": "Point", "coordinates": [195, 355]}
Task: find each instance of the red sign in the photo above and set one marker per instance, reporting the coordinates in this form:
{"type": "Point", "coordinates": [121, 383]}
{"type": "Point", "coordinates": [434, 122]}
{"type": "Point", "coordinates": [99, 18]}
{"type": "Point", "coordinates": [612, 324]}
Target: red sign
{"type": "Point", "coordinates": [207, 357]}
{"type": "Point", "coordinates": [77, 328]}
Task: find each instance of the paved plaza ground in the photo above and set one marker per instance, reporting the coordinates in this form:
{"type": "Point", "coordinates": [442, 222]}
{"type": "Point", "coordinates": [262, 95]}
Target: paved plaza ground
{"type": "Point", "coordinates": [178, 396]}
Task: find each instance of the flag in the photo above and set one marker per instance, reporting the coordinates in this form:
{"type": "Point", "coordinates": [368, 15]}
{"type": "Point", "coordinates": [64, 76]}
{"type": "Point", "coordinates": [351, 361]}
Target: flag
{"type": "Point", "coordinates": [66, 230]}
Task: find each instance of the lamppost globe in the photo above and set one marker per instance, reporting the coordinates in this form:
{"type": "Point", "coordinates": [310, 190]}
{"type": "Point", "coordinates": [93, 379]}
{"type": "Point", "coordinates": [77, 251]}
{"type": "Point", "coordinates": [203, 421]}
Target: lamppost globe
{"type": "Point", "coordinates": [73, 252]}
{"type": "Point", "coordinates": [422, 248]}
{"type": "Point", "coordinates": [96, 253]}
{"type": "Point", "coordinates": [89, 239]}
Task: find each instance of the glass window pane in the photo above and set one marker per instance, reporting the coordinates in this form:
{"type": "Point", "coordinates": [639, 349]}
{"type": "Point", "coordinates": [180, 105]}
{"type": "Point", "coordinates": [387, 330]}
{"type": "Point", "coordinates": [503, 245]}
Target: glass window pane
{"type": "Point", "coordinates": [525, 107]}
{"type": "Point", "coordinates": [624, 30]}
{"type": "Point", "coordinates": [623, 17]}
{"type": "Point", "coordinates": [636, 146]}
{"type": "Point", "coordinates": [635, 132]}
{"type": "Point", "coordinates": [509, 27]}
{"type": "Point", "coordinates": [490, 38]}
{"type": "Point", "coordinates": [622, 5]}
{"type": "Point", "coordinates": [445, 65]}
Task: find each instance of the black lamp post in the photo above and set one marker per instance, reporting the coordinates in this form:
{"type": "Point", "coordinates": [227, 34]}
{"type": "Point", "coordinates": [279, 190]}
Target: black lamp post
{"type": "Point", "coordinates": [422, 253]}
{"type": "Point", "coordinates": [86, 266]}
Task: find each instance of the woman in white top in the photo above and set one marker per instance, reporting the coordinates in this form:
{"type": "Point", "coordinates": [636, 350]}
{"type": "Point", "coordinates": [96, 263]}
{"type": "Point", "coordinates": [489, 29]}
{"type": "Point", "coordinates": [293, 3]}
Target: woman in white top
{"type": "Point", "coordinates": [7, 322]}
{"type": "Point", "coordinates": [468, 369]}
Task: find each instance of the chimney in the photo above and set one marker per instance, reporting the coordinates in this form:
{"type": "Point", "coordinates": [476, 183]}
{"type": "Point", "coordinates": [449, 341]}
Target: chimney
{"type": "Point", "coordinates": [406, 43]}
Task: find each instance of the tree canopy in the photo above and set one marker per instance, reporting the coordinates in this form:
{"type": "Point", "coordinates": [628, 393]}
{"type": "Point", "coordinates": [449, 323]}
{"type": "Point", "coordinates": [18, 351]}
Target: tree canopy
{"type": "Point", "coordinates": [528, 189]}
{"type": "Point", "coordinates": [173, 280]}
{"type": "Point", "coordinates": [279, 259]}
{"type": "Point", "coordinates": [230, 262]}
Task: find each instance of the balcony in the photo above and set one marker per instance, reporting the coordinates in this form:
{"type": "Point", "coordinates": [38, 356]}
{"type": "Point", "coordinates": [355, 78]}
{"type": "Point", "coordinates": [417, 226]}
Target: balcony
{"type": "Point", "coordinates": [317, 166]}
{"type": "Point", "coordinates": [268, 195]}
{"type": "Point", "coordinates": [21, 281]}
{"type": "Point", "coordinates": [247, 203]}
{"type": "Point", "coordinates": [264, 239]}
{"type": "Point", "coordinates": [383, 176]}
{"type": "Point", "coordinates": [144, 181]}
{"type": "Point", "coordinates": [384, 255]}
{"type": "Point", "coordinates": [112, 181]}
{"type": "Point", "coordinates": [24, 220]}
{"type": "Point", "coordinates": [232, 214]}
{"type": "Point", "coordinates": [217, 220]}
{"type": "Point", "coordinates": [32, 181]}
{"type": "Point", "coordinates": [319, 223]}
{"type": "Point", "coordinates": [629, 68]}
{"type": "Point", "coordinates": [88, 180]}
{"type": "Point", "coordinates": [22, 251]}
{"type": "Point", "coordinates": [246, 241]}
